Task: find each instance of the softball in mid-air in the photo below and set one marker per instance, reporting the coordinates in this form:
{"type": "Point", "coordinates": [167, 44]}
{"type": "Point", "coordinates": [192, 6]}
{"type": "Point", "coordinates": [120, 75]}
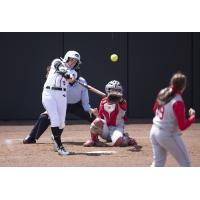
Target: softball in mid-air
{"type": "Point", "coordinates": [114, 58]}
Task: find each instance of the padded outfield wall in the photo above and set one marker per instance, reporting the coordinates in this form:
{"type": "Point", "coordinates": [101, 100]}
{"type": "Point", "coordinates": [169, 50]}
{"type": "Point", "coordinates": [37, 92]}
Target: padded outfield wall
{"type": "Point", "coordinates": [146, 63]}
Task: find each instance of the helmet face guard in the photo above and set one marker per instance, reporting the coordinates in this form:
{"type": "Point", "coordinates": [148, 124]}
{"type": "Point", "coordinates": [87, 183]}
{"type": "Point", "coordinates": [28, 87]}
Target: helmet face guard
{"type": "Point", "coordinates": [114, 88]}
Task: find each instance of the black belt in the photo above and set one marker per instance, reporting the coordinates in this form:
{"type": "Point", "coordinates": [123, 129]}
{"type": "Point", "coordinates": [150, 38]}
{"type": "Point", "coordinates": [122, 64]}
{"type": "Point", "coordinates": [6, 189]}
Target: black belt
{"type": "Point", "coordinates": [56, 88]}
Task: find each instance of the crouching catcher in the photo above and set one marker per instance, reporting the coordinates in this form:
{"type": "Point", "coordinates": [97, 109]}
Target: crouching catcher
{"type": "Point", "coordinates": [109, 124]}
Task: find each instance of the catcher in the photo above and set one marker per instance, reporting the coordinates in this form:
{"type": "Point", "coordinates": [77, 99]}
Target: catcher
{"type": "Point", "coordinates": [109, 124]}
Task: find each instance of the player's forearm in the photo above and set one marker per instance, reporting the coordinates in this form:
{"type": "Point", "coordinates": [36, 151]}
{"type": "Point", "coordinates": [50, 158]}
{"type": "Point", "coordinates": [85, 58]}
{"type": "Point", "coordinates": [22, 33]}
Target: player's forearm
{"type": "Point", "coordinates": [179, 110]}
{"type": "Point", "coordinates": [85, 101]}
{"type": "Point", "coordinates": [86, 107]}
{"type": "Point", "coordinates": [185, 124]}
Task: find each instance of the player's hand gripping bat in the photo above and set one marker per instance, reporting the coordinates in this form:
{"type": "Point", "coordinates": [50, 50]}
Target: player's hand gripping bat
{"type": "Point", "coordinates": [92, 89]}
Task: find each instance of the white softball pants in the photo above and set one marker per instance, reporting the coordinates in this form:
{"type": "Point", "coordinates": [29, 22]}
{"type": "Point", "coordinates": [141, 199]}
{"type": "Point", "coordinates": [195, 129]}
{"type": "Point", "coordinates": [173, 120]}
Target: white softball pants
{"type": "Point", "coordinates": [55, 103]}
{"type": "Point", "coordinates": [112, 133]}
{"type": "Point", "coordinates": [163, 142]}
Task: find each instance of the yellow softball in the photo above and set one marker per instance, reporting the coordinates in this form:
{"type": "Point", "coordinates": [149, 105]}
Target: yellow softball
{"type": "Point", "coordinates": [114, 58]}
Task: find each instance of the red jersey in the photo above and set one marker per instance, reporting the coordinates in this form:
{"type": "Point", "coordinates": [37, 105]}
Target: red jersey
{"type": "Point", "coordinates": [113, 114]}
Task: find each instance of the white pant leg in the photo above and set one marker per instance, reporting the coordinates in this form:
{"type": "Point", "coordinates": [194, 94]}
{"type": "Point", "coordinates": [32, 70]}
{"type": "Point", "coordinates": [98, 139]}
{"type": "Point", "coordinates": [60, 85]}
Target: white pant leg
{"type": "Point", "coordinates": [50, 104]}
{"type": "Point", "coordinates": [55, 103]}
{"type": "Point", "coordinates": [61, 106]}
{"type": "Point", "coordinates": [173, 143]}
{"type": "Point", "coordinates": [178, 150]}
{"type": "Point", "coordinates": [116, 133]}
{"type": "Point", "coordinates": [105, 132]}
{"type": "Point", "coordinates": [159, 153]}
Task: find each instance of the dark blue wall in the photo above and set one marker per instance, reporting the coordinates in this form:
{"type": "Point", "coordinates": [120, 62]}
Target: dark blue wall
{"type": "Point", "coordinates": [153, 58]}
{"type": "Point", "coordinates": [146, 63]}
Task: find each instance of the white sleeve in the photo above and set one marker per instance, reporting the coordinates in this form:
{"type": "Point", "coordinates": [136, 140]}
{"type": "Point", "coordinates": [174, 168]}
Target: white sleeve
{"type": "Point", "coordinates": [85, 96]}
{"type": "Point", "coordinates": [56, 63]}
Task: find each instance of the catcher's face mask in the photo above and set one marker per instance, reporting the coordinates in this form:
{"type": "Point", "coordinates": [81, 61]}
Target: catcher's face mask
{"type": "Point", "coordinates": [114, 91]}
{"type": "Point", "coordinates": [114, 95]}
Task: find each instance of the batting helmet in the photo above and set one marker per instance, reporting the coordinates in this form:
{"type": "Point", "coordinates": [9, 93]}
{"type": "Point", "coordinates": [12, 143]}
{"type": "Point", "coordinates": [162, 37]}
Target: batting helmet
{"type": "Point", "coordinates": [72, 54]}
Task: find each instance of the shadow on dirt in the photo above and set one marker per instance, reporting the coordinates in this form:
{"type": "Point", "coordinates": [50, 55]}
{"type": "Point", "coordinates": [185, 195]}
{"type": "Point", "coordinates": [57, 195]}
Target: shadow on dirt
{"type": "Point", "coordinates": [73, 143]}
{"type": "Point", "coordinates": [103, 153]}
{"type": "Point", "coordinates": [135, 148]}
{"type": "Point", "coordinates": [99, 144]}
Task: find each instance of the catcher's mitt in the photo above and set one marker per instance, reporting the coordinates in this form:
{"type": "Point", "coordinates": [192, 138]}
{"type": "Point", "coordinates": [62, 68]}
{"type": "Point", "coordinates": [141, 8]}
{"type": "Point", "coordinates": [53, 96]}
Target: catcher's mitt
{"type": "Point", "coordinates": [114, 98]}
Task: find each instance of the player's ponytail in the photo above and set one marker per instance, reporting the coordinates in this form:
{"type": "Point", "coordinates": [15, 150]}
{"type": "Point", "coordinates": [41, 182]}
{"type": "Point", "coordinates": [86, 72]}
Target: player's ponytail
{"type": "Point", "coordinates": [165, 96]}
{"type": "Point", "coordinates": [47, 70]}
{"type": "Point", "coordinates": [177, 85]}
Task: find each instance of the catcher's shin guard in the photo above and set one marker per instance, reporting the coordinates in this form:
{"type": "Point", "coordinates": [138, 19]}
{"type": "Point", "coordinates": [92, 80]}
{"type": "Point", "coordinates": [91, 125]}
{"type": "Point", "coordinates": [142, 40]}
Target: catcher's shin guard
{"type": "Point", "coordinates": [95, 130]}
{"type": "Point", "coordinates": [96, 126]}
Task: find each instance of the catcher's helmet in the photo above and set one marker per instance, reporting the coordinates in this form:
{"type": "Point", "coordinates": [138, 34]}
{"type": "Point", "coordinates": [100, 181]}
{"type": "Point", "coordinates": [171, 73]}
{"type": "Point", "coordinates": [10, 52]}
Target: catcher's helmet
{"type": "Point", "coordinates": [114, 87]}
{"type": "Point", "coordinates": [72, 54]}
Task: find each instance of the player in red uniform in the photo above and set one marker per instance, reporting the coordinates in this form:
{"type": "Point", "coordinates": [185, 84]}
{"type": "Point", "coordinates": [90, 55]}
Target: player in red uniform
{"type": "Point", "coordinates": [109, 124]}
{"type": "Point", "coordinates": [169, 120]}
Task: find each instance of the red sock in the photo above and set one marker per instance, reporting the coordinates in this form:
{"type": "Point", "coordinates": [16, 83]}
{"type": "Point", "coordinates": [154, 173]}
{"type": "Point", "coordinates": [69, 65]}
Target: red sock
{"type": "Point", "coordinates": [94, 136]}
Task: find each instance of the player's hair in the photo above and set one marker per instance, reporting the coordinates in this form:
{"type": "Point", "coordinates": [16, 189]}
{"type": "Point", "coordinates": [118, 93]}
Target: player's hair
{"type": "Point", "coordinates": [47, 70]}
{"type": "Point", "coordinates": [177, 83]}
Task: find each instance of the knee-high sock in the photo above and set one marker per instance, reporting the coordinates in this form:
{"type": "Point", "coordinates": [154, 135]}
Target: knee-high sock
{"type": "Point", "coordinates": [57, 134]}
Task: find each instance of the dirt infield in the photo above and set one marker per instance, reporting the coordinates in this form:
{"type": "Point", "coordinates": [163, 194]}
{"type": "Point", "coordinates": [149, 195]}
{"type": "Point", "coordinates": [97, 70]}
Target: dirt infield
{"type": "Point", "coordinates": [15, 154]}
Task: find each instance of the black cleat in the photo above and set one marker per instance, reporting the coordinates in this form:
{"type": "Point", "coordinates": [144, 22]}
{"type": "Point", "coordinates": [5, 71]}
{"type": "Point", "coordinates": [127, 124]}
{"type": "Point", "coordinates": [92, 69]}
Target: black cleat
{"type": "Point", "coordinates": [29, 140]}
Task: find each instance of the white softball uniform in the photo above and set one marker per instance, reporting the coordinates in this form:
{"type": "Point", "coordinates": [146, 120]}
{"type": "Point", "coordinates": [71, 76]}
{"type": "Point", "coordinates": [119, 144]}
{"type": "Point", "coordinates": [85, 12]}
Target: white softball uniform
{"type": "Point", "coordinates": [165, 136]}
{"type": "Point", "coordinates": [54, 94]}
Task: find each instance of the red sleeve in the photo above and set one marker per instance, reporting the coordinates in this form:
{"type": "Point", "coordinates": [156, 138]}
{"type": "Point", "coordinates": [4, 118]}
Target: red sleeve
{"type": "Point", "coordinates": [155, 107]}
{"type": "Point", "coordinates": [123, 105]}
{"type": "Point", "coordinates": [179, 110]}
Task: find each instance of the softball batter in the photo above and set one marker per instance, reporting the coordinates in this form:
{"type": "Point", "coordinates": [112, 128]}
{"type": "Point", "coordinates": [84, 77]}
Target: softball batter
{"type": "Point", "coordinates": [77, 104]}
{"type": "Point", "coordinates": [169, 120]}
{"type": "Point", "coordinates": [54, 95]}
